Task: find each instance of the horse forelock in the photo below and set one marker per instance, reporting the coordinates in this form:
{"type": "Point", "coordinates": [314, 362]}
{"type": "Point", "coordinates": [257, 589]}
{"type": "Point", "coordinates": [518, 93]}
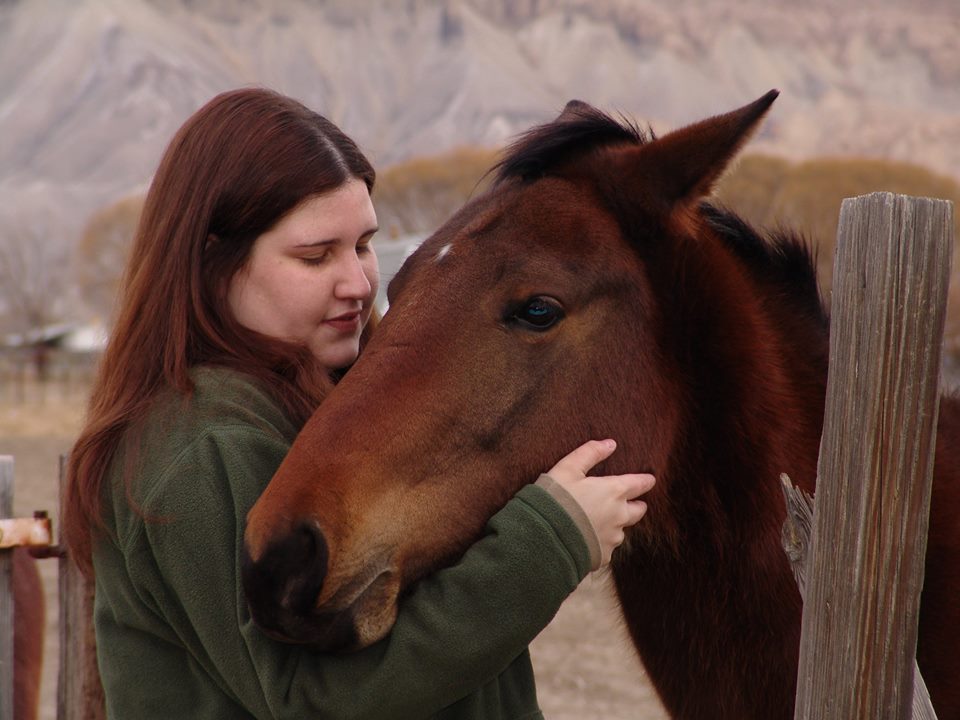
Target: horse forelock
{"type": "Point", "coordinates": [581, 128]}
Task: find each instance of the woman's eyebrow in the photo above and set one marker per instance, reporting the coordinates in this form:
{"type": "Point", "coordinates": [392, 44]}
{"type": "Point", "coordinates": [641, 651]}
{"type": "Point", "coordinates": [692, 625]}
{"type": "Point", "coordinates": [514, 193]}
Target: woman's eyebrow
{"type": "Point", "coordinates": [317, 243]}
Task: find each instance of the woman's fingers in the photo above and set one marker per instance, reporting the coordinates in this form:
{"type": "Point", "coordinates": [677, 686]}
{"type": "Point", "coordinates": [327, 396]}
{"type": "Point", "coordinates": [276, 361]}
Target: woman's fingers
{"type": "Point", "coordinates": [636, 510]}
{"type": "Point", "coordinates": [636, 484]}
{"type": "Point", "coordinates": [610, 502]}
{"type": "Point", "coordinates": [581, 461]}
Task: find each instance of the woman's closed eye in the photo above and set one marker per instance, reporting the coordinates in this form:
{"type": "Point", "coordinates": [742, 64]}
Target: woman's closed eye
{"type": "Point", "coordinates": [315, 259]}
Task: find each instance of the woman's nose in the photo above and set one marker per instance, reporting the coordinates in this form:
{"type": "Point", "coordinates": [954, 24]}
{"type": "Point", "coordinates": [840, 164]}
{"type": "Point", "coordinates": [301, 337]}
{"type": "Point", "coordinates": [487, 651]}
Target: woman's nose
{"type": "Point", "coordinates": [353, 283]}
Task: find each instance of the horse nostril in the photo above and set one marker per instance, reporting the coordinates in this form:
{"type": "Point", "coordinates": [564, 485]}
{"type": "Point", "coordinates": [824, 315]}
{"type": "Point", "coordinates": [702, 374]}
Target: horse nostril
{"type": "Point", "coordinates": [287, 577]}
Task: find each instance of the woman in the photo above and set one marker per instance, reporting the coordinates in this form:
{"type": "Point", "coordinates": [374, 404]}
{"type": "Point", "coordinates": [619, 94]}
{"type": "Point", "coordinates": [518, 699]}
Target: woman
{"type": "Point", "coordinates": [249, 292]}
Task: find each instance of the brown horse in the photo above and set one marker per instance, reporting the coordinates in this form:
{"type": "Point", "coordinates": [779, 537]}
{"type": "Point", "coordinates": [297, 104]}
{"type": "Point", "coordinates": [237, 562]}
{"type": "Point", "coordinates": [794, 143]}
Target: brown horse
{"type": "Point", "coordinates": [29, 616]}
{"type": "Point", "coordinates": [592, 292]}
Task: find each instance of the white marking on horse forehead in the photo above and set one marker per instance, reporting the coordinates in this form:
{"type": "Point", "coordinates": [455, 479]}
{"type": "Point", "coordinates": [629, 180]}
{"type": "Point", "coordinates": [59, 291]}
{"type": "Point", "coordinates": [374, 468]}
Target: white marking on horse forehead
{"type": "Point", "coordinates": [442, 252]}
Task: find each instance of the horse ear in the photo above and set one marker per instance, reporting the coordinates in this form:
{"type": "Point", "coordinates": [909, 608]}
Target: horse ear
{"type": "Point", "coordinates": [574, 110]}
{"type": "Point", "coordinates": [686, 163]}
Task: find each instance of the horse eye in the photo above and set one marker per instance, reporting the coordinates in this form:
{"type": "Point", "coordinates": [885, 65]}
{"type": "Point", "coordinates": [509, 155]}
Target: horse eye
{"type": "Point", "coordinates": [537, 313]}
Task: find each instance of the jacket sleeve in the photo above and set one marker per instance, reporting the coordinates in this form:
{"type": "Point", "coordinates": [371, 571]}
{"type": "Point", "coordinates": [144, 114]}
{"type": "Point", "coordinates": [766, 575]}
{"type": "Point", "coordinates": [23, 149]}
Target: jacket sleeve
{"type": "Point", "coordinates": [457, 629]}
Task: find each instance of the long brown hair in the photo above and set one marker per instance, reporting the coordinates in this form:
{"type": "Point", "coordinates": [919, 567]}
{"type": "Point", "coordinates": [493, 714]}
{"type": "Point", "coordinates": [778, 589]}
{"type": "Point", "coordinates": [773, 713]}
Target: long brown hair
{"type": "Point", "coordinates": [232, 171]}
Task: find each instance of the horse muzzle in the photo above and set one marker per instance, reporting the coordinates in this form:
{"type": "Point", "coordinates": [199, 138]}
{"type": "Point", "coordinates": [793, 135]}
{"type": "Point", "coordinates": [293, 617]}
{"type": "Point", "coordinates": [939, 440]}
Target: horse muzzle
{"type": "Point", "coordinates": [291, 598]}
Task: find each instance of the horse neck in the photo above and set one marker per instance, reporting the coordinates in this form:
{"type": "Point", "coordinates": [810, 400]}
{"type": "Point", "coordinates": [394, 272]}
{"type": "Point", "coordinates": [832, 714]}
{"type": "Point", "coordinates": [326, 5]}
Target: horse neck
{"type": "Point", "coordinates": [705, 586]}
{"type": "Point", "coordinates": [753, 404]}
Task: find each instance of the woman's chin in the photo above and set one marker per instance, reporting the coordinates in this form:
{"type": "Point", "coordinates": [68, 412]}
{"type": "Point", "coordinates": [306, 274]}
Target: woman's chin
{"type": "Point", "coordinates": [336, 356]}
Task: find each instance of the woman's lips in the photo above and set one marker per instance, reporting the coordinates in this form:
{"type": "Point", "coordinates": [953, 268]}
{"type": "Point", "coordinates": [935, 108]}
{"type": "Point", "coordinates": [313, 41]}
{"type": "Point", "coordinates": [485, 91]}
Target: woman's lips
{"type": "Point", "coordinates": [346, 323]}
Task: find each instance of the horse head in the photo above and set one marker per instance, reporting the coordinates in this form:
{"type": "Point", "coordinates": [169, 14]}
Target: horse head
{"type": "Point", "coordinates": [531, 321]}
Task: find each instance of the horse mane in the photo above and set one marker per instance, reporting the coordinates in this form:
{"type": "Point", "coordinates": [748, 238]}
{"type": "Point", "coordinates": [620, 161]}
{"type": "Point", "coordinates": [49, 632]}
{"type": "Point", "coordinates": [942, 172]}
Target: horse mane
{"type": "Point", "coordinates": [579, 128]}
{"type": "Point", "coordinates": [782, 260]}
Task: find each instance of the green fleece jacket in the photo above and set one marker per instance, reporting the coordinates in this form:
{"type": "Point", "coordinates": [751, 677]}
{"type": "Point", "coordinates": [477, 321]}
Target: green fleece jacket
{"type": "Point", "coordinates": [174, 636]}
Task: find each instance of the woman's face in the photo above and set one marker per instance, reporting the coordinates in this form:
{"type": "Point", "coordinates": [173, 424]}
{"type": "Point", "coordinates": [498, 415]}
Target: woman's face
{"type": "Point", "coordinates": [313, 277]}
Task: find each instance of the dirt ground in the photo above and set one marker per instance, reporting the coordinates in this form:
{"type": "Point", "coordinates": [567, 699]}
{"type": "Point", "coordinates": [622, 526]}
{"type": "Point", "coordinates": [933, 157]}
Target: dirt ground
{"type": "Point", "coordinates": [585, 668]}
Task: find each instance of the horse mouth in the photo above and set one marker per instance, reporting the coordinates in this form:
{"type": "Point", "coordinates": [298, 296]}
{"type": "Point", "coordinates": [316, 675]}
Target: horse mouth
{"type": "Point", "coordinates": [357, 615]}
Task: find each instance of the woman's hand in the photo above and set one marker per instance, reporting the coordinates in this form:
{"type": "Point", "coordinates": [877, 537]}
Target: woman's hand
{"type": "Point", "coordinates": [610, 502]}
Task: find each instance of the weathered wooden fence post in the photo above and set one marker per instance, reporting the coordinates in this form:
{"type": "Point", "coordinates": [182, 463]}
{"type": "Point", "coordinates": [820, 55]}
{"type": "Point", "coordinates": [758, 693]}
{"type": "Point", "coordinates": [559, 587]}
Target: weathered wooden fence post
{"type": "Point", "coordinates": [6, 595]}
{"type": "Point", "coordinates": [866, 558]}
{"type": "Point", "coordinates": [796, 541]}
{"type": "Point", "coordinates": [79, 692]}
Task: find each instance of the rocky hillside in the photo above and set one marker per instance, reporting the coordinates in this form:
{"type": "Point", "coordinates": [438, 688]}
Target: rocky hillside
{"type": "Point", "coordinates": [91, 90]}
